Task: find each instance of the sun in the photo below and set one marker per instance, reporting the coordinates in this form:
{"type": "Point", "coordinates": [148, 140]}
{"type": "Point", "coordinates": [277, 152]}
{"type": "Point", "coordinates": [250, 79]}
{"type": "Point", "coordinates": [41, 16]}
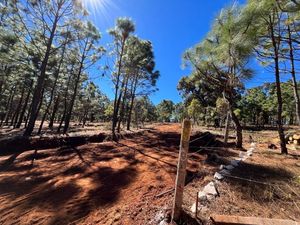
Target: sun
{"type": "Point", "coordinates": [95, 6]}
{"type": "Point", "coordinates": [102, 11]}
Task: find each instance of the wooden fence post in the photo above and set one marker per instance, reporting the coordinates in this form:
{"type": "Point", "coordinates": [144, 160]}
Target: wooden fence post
{"type": "Point", "coordinates": [197, 203]}
{"type": "Point", "coordinates": [181, 168]}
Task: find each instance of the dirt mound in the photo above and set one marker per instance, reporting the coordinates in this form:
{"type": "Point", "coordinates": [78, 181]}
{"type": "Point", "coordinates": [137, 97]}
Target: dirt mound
{"type": "Point", "coordinates": [20, 144]}
{"type": "Point", "coordinates": [205, 139]}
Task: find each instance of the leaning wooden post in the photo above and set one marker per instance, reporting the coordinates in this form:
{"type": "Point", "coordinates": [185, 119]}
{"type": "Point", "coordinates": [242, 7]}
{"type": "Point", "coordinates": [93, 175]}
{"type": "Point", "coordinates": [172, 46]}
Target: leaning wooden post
{"type": "Point", "coordinates": [197, 203]}
{"type": "Point", "coordinates": [181, 168]}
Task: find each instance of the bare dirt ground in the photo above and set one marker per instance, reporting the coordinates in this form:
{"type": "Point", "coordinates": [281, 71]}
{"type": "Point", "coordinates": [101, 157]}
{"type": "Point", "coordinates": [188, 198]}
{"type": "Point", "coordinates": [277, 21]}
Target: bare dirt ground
{"type": "Point", "coordinates": [106, 183]}
{"type": "Point", "coordinates": [122, 183]}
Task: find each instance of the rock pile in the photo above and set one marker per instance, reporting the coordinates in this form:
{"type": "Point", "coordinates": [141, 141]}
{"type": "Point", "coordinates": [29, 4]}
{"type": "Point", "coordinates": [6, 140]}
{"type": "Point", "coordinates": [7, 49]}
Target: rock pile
{"type": "Point", "coordinates": [210, 191]}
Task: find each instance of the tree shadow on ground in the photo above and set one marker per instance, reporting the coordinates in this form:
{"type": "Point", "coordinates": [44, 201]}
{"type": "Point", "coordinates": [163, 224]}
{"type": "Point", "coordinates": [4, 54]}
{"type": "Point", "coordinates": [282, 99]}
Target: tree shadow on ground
{"type": "Point", "coordinates": [259, 183]}
{"type": "Point", "coordinates": [67, 200]}
{"type": "Point", "coordinates": [71, 189]}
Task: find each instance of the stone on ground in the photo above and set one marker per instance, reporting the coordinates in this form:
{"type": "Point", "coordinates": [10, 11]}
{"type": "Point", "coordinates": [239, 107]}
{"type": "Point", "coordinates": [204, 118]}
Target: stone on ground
{"type": "Point", "coordinates": [210, 189]}
{"type": "Point", "coordinates": [229, 167]}
{"type": "Point", "coordinates": [202, 196]}
{"type": "Point", "coordinates": [218, 176]}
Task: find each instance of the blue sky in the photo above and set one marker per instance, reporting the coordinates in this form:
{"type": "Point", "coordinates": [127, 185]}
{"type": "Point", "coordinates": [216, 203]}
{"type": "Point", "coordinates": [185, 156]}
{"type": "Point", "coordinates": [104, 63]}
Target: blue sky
{"type": "Point", "coordinates": [172, 26]}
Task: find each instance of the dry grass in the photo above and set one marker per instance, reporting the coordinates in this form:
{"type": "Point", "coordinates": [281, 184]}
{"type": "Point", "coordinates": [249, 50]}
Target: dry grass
{"type": "Point", "coordinates": [272, 188]}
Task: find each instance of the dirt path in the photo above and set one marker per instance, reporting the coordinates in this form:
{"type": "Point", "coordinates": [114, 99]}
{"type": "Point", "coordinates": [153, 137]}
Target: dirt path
{"type": "Point", "coordinates": [107, 183]}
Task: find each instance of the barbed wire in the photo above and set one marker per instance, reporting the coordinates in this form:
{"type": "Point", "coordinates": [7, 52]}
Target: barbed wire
{"type": "Point", "coordinates": [207, 133]}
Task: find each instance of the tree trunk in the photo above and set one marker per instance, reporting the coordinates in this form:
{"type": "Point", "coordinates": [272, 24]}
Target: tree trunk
{"type": "Point", "coordinates": [130, 112]}
{"type": "Point", "coordinates": [116, 110]}
{"type": "Point", "coordinates": [21, 117]}
{"type": "Point", "coordinates": [53, 89]}
{"type": "Point", "coordinates": [62, 120]}
{"type": "Point", "coordinates": [55, 108]}
{"type": "Point", "coordinates": [278, 90]}
{"type": "Point", "coordinates": [14, 123]}
{"type": "Point", "coordinates": [122, 111]}
{"type": "Point", "coordinates": [239, 129]}
{"type": "Point", "coordinates": [227, 125]}
{"type": "Point", "coordinates": [293, 73]}
{"type": "Point", "coordinates": [65, 104]}
{"type": "Point", "coordinates": [37, 95]}
{"type": "Point", "coordinates": [131, 104]}
{"type": "Point", "coordinates": [7, 107]}
{"type": "Point", "coordinates": [69, 112]}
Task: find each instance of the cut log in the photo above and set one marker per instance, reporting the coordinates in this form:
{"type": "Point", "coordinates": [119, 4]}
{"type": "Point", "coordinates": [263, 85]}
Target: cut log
{"type": "Point", "coordinates": [296, 142]}
{"type": "Point", "coordinates": [239, 220]}
{"type": "Point", "coordinates": [296, 137]}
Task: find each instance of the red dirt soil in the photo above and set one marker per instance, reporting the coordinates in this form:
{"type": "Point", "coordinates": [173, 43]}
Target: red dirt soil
{"type": "Point", "coordinates": [122, 183]}
{"type": "Point", "coordinates": [106, 183]}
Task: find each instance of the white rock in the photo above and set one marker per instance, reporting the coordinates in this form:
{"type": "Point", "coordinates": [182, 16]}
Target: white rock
{"type": "Point", "coordinates": [202, 196]}
{"type": "Point", "coordinates": [210, 189]}
{"type": "Point", "coordinates": [253, 144]}
{"type": "Point", "coordinates": [27, 178]}
{"type": "Point", "coordinates": [245, 158]}
{"type": "Point", "coordinates": [163, 222]}
{"type": "Point", "coordinates": [201, 209]}
{"type": "Point", "coordinates": [218, 176]}
{"type": "Point", "coordinates": [193, 208]}
{"type": "Point", "coordinates": [221, 167]}
{"type": "Point", "coordinates": [229, 167]}
{"type": "Point", "coordinates": [242, 154]}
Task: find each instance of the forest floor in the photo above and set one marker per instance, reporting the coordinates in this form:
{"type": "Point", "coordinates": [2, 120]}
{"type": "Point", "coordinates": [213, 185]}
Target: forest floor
{"type": "Point", "coordinates": [266, 185]}
{"type": "Point", "coordinates": [75, 130]}
{"type": "Point", "coordinates": [124, 183]}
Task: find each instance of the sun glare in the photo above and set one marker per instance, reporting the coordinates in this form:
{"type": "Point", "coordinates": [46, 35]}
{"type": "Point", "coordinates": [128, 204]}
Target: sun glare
{"type": "Point", "coordinates": [103, 8]}
{"type": "Point", "coordinates": [97, 6]}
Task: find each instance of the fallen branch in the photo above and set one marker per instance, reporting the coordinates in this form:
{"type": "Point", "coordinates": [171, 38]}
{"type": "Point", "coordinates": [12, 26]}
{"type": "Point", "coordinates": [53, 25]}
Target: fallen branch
{"type": "Point", "coordinates": [165, 192]}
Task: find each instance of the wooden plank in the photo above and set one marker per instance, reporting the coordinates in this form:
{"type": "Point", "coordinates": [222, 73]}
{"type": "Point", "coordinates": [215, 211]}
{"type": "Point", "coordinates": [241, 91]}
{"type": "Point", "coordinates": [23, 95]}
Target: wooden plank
{"type": "Point", "coordinates": [181, 168]}
{"type": "Point", "coordinates": [239, 220]}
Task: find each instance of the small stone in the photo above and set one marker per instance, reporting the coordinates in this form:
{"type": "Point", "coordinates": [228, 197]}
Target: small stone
{"type": "Point", "coordinates": [218, 176]}
{"type": "Point", "coordinates": [163, 222]}
{"type": "Point", "coordinates": [253, 144]}
{"type": "Point", "coordinates": [202, 196]}
{"type": "Point", "coordinates": [229, 167]}
{"type": "Point", "coordinates": [200, 208]}
{"type": "Point", "coordinates": [245, 158]}
{"type": "Point", "coordinates": [193, 208]}
{"type": "Point", "coordinates": [242, 154]}
{"type": "Point", "coordinates": [221, 167]}
{"type": "Point", "coordinates": [27, 178]}
{"type": "Point", "coordinates": [210, 189]}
